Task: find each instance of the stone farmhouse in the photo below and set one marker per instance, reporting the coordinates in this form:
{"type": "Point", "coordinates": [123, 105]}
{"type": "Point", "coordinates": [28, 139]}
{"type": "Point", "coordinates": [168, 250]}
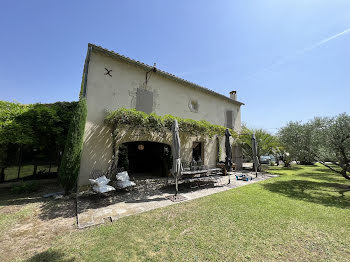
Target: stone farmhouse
{"type": "Point", "coordinates": [112, 81]}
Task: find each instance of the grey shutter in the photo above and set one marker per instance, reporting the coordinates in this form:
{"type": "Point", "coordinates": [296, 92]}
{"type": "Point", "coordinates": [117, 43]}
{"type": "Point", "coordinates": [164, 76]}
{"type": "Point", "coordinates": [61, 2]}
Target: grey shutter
{"type": "Point", "coordinates": [229, 117]}
{"type": "Point", "coordinates": [144, 100]}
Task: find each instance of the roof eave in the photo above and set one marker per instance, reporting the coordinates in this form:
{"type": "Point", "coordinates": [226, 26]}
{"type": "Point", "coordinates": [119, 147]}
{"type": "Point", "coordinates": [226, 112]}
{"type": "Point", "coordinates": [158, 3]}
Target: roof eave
{"type": "Point", "coordinates": [160, 72]}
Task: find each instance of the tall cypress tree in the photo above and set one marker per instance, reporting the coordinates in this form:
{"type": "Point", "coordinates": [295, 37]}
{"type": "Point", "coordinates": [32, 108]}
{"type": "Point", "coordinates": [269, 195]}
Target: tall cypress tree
{"type": "Point", "coordinates": [70, 165]}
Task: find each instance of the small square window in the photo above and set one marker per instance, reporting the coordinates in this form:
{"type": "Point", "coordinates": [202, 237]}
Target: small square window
{"type": "Point", "coordinates": [193, 105]}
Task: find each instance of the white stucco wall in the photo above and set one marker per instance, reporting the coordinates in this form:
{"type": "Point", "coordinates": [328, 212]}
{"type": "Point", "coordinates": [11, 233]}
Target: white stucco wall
{"type": "Point", "coordinates": [105, 93]}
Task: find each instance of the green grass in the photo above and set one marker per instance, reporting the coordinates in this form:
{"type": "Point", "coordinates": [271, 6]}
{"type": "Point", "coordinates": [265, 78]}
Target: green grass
{"type": "Point", "coordinates": [11, 172]}
{"type": "Point", "coordinates": [302, 215]}
{"type": "Point", "coordinates": [10, 219]}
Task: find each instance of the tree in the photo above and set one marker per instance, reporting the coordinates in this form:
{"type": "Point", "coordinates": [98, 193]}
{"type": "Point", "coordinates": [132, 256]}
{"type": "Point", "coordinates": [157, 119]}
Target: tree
{"type": "Point", "coordinates": [40, 126]}
{"type": "Point", "coordinates": [325, 140]}
{"type": "Point", "coordinates": [265, 141]}
{"type": "Point", "coordinates": [15, 127]}
{"type": "Point", "coordinates": [282, 155]}
{"type": "Point", "coordinates": [70, 166]}
{"type": "Point", "coordinates": [296, 139]}
{"type": "Point", "coordinates": [332, 135]}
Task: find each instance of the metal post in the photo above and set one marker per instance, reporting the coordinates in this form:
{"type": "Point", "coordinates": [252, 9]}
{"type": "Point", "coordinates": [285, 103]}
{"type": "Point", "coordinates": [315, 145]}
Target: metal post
{"type": "Point", "coordinates": [229, 178]}
{"type": "Point", "coordinates": [176, 186]}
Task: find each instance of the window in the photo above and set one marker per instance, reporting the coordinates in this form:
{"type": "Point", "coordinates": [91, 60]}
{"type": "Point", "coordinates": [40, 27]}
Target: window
{"type": "Point", "coordinates": [144, 100]}
{"type": "Point", "coordinates": [193, 105]}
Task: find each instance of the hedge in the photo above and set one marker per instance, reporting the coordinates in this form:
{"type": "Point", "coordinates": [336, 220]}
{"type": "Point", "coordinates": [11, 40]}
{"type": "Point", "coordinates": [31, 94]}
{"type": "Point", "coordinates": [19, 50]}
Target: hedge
{"type": "Point", "coordinates": [70, 165]}
{"type": "Point", "coordinates": [40, 126]}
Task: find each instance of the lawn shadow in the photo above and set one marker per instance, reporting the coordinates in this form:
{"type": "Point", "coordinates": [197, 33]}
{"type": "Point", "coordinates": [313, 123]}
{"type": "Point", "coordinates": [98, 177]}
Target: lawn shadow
{"type": "Point", "coordinates": [328, 194]}
{"type": "Point", "coordinates": [50, 256]}
{"type": "Point", "coordinates": [52, 209]}
{"type": "Point", "coordinates": [49, 208]}
{"type": "Point", "coordinates": [324, 176]}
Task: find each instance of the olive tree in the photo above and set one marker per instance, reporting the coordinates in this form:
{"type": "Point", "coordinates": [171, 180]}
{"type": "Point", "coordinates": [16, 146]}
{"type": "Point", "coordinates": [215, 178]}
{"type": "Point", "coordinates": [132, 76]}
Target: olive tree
{"type": "Point", "coordinates": [325, 140]}
{"type": "Point", "coordinates": [332, 135]}
{"type": "Point", "coordinates": [281, 155]}
{"type": "Point", "coordinates": [296, 139]}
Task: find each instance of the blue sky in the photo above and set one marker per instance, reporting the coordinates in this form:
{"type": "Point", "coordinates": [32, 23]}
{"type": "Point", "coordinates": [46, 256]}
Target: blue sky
{"type": "Point", "coordinates": [279, 55]}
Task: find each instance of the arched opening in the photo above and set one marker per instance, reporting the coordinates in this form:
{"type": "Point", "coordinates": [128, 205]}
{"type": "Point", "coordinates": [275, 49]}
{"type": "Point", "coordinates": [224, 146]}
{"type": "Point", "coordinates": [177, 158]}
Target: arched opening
{"type": "Point", "coordinates": [144, 159]}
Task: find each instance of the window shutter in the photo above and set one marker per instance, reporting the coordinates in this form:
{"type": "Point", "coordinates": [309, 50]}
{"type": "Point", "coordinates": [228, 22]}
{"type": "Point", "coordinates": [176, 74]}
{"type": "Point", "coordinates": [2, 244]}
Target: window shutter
{"type": "Point", "coordinates": [144, 100]}
{"type": "Point", "coordinates": [229, 117]}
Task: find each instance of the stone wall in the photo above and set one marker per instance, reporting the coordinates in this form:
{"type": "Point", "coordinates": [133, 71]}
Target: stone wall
{"type": "Point", "coordinates": [132, 134]}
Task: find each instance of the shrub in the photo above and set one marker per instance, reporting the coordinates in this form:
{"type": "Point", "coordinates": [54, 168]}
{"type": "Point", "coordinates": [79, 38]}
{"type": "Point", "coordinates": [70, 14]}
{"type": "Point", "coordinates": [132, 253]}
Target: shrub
{"type": "Point", "coordinates": [70, 165]}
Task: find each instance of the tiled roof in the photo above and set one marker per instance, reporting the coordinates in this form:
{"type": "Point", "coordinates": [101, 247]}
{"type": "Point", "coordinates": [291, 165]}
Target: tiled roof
{"type": "Point", "coordinates": [160, 72]}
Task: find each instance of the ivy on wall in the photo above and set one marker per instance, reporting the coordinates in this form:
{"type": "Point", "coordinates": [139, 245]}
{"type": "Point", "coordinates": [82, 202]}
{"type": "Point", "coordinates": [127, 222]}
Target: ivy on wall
{"type": "Point", "coordinates": [132, 117]}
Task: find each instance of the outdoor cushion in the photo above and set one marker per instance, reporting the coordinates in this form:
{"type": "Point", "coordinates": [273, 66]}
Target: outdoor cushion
{"type": "Point", "coordinates": [123, 180]}
{"type": "Point", "coordinates": [125, 184]}
{"type": "Point", "coordinates": [122, 176]}
{"type": "Point", "coordinates": [103, 180]}
{"type": "Point", "coordinates": [103, 188]}
{"type": "Point", "coordinates": [99, 185]}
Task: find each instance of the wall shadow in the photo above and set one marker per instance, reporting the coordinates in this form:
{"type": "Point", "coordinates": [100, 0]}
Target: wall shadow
{"type": "Point", "coordinates": [328, 194]}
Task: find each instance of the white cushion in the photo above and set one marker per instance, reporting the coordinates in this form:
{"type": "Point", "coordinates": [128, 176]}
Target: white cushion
{"type": "Point", "coordinates": [125, 184]}
{"type": "Point", "coordinates": [103, 180]}
{"type": "Point", "coordinates": [103, 188]}
{"type": "Point", "coordinates": [100, 184]}
{"type": "Point", "coordinates": [122, 176]}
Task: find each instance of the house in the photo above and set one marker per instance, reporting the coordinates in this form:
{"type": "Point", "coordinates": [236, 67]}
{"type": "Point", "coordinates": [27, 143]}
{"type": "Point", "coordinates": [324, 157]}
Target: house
{"type": "Point", "coordinates": [112, 81]}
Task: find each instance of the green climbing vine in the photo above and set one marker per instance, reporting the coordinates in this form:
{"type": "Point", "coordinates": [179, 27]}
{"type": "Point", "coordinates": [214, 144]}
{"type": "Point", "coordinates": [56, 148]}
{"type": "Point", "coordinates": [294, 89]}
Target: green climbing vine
{"type": "Point", "coordinates": [132, 117]}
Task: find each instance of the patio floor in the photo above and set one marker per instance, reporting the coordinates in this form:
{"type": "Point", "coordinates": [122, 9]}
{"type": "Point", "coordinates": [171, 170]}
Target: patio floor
{"type": "Point", "coordinates": [93, 209]}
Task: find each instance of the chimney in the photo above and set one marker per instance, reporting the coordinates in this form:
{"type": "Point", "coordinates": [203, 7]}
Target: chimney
{"type": "Point", "coordinates": [233, 95]}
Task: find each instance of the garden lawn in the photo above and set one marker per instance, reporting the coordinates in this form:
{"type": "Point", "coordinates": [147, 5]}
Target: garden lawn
{"type": "Point", "coordinates": [302, 215]}
{"type": "Point", "coordinates": [29, 223]}
{"type": "Point", "coordinates": [11, 172]}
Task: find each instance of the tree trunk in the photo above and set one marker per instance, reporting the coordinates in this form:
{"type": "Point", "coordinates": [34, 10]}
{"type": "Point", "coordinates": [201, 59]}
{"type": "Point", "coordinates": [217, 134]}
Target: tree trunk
{"type": "Point", "coordinates": [19, 161]}
{"type": "Point", "coordinates": [286, 163]}
{"type": "Point", "coordinates": [344, 173]}
{"type": "Point", "coordinates": [2, 174]}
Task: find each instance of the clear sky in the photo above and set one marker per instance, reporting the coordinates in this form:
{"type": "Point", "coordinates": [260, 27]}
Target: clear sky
{"type": "Point", "coordinates": [288, 60]}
